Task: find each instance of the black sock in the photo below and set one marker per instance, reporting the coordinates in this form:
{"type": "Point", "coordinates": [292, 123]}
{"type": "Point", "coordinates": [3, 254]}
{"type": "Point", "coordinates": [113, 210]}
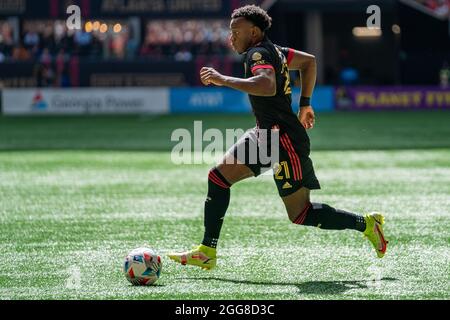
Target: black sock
{"type": "Point", "coordinates": [216, 205]}
{"type": "Point", "coordinates": [325, 217]}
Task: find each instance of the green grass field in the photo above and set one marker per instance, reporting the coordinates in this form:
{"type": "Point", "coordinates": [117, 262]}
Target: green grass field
{"type": "Point", "coordinates": [76, 194]}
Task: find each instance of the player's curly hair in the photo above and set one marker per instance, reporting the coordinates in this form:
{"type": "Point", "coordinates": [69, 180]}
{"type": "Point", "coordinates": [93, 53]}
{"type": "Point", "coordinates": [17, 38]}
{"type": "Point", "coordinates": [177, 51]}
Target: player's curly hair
{"type": "Point", "coordinates": [255, 14]}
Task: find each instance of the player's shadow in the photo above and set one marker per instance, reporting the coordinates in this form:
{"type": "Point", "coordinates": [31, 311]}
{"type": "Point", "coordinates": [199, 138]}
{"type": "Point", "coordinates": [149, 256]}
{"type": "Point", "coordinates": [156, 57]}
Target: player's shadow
{"type": "Point", "coordinates": [312, 287]}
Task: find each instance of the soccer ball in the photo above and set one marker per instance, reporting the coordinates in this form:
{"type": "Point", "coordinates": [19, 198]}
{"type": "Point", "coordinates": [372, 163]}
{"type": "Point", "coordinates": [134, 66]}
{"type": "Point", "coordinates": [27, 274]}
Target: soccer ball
{"type": "Point", "coordinates": [142, 267]}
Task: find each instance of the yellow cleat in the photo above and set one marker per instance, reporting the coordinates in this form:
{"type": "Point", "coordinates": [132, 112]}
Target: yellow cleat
{"type": "Point", "coordinates": [374, 232]}
{"type": "Point", "coordinates": [201, 256]}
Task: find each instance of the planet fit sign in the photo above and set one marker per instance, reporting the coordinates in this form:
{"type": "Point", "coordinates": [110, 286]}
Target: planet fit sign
{"type": "Point", "coordinates": [398, 98]}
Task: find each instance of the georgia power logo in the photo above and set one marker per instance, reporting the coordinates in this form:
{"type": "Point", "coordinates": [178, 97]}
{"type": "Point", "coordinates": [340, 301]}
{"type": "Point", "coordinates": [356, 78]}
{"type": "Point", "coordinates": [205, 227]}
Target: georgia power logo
{"type": "Point", "coordinates": [38, 102]}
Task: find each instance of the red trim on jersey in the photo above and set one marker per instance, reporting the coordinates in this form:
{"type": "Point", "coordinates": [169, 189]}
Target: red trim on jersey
{"type": "Point", "coordinates": [290, 56]}
{"type": "Point", "coordinates": [263, 66]}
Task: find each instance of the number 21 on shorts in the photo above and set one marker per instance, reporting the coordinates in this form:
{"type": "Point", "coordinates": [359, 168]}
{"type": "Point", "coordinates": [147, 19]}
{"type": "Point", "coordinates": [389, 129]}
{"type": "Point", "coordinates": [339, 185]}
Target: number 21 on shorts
{"type": "Point", "coordinates": [279, 171]}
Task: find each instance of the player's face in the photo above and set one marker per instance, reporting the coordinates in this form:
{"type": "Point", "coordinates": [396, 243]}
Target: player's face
{"type": "Point", "coordinates": [241, 33]}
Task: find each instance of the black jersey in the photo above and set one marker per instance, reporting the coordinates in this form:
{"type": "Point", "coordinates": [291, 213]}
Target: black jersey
{"type": "Point", "coordinates": [275, 110]}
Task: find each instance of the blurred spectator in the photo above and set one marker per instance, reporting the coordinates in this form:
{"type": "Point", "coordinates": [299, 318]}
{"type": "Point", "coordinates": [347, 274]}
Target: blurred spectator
{"type": "Point", "coordinates": [118, 46]}
{"type": "Point", "coordinates": [173, 37]}
{"type": "Point", "coordinates": [46, 58]}
{"type": "Point", "coordinates": [183, 55]}
{"type": "Point", "coordinates": [65, 79]}
{"type": "Point", "coordinates": [96, 48]}
{"type": "Point", "coordinates": [6, 39]}
{"type": "Point", "coordinates": [61, 59]}
{"type": "Point", "coordinates": [444, 75]}
{"type": "Point", "coordinates": [181, 40]}
{"type": "Point", "coordinates": [47, 38]}
{"type": "Point", "coordinates": [31, 39]}
{"type": "Point", "coordinates": [49, 76]}
{"type": "Point", "coordinates": [51, 46]}
{"type": "Point", "coordinates": [44, 75]}
{"type": "Point", "coordinates": [132, 44]}
{"type": "Point", "coordinates": [443, 8]}
{"type": "Point", "coordinates": [20, 53]}
{"type": "Point", "coordinates": [440, 7]}
{"type": "Point", "coordinates": [83, 42]}
{"type": "Point", "coordinates": [151, 50]}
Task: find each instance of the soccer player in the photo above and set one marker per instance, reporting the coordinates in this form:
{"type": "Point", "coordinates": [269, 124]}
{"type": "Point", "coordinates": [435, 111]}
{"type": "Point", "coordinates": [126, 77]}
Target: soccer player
{"type": "Point", "coordinates": [267, 82]}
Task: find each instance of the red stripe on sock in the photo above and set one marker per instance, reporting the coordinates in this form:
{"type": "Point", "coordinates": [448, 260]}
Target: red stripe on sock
{"type": "Point", "coordinates": [218, 182]}
{"type": "Point", "coordinates": [302, 216]}
{"type": "Point", "coordinates": [214, 178]}
{"type": "Point", "coordinates": [221, 180]}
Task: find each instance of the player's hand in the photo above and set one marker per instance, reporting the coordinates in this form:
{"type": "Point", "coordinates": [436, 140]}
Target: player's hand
{"type": "Point", "coordinates": [211, 76]}
{"type": "Point", "coordinates": [306, 117]}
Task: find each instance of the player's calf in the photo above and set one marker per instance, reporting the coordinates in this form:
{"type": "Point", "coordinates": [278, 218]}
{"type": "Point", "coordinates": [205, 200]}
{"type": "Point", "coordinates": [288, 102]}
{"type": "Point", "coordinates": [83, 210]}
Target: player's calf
{"type": "Point", "coordinates": [216, 205]}
{"type": "Point", "coordinates": [325, 217]}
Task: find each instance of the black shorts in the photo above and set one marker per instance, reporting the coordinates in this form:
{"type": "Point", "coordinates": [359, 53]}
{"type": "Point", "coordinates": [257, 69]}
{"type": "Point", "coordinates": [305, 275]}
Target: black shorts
{"type": "Point", "coordinates": [291, 169]}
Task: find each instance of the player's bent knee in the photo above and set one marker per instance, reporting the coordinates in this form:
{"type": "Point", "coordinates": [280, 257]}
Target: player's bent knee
{"type": "Point", "coordinates": [216, 177]}
{"type": "Point", "coordinates": [296, 203]}
{"type": "Point", "coordinates": [234, 173]}
{"type": "Point", "coordinates": [297, 208]}
{"type": "Point", "coordinates": [299, 216]}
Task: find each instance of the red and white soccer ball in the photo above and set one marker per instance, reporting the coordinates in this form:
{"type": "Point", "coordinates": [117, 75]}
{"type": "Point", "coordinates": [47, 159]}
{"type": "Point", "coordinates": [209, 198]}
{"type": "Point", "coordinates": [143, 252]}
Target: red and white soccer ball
{"type": "Point", "coordinates": [142, 267]}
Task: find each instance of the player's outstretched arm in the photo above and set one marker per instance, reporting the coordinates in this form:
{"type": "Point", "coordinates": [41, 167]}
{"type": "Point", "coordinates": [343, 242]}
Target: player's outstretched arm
{"type": "Point", "coordinates": [306, 64]}
{"type": "Point", "coordinates": [263, 83]}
